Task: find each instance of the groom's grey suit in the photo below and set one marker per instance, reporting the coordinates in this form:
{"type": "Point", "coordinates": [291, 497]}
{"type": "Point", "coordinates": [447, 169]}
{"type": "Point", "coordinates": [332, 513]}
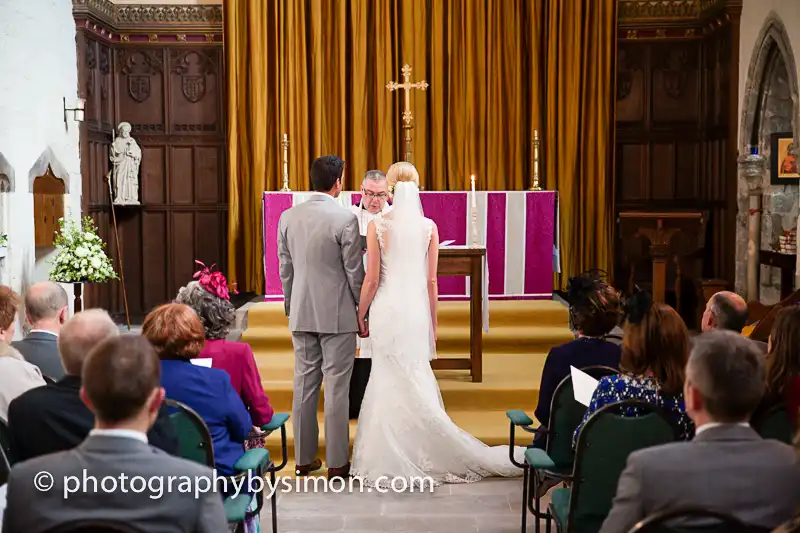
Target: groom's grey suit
{"type": "Point", "coordinates": [319, 247]}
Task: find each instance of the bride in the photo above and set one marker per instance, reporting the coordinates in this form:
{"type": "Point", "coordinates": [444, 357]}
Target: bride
{"type": "Point", "coordinates": [403, 429]}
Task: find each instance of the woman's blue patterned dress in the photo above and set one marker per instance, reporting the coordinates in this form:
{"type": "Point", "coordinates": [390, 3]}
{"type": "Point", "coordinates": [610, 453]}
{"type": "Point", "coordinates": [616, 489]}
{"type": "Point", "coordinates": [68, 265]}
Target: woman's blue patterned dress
{"type": "Point", "coordinates": [620, 387]}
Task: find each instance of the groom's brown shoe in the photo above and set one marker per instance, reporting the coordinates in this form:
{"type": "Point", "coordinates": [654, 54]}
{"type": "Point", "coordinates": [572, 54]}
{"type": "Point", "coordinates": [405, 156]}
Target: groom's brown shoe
{"type": "Point", "coordinates": [304, 470]}
{"type": "Point", "coordinates": [342, 472]}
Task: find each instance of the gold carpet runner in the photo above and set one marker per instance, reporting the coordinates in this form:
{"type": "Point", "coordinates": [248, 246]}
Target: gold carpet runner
{"type": "Point", "coordinates": [520, 335]}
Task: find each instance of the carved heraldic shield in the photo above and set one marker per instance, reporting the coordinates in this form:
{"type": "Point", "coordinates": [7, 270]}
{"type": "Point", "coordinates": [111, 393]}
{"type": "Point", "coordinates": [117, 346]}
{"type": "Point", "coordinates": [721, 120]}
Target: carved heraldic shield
{"type": "Point", "coordinates": [194, 88]}
{"type": "Point", "coordinates": [139, 87]}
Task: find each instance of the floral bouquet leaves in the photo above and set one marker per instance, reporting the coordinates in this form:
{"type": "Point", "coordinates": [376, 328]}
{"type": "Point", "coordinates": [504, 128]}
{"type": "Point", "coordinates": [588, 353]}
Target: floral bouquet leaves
{"type": "Point", "coordinates": [81, 255]}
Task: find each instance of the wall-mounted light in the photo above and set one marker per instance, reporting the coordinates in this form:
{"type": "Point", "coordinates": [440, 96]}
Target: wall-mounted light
{"type": "Point", "coordinates": [77, 111]}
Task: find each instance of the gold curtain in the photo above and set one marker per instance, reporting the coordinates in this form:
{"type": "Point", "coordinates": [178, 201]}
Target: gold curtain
{"type": "Point", "coordinates": [317, 70]}
{"type": "Point", "coordinates": [578, 65]}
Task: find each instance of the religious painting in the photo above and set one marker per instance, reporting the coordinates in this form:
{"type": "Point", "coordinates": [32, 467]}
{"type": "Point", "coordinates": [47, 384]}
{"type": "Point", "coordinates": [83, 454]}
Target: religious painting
{"type": "Point", "coordinates": [784, 167]}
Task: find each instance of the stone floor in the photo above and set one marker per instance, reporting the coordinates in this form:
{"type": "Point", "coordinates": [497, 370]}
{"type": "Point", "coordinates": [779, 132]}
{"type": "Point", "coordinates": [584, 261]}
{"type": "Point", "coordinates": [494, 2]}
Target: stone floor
{"type": "Point", "coordinates": [491, 506]}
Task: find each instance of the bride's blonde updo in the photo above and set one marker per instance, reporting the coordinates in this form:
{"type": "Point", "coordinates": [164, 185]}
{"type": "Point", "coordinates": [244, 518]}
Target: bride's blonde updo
{"type": "Point", "coordinates": [401, 171]}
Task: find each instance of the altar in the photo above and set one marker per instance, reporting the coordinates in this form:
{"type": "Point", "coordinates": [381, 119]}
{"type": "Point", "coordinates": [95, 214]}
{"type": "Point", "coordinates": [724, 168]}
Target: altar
{"type": "Point", "coordinates": [518, 228]}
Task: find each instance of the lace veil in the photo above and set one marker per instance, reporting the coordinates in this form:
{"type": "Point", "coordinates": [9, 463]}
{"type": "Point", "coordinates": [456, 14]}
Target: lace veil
{"type": "Point", "coordinates": [405, 246]}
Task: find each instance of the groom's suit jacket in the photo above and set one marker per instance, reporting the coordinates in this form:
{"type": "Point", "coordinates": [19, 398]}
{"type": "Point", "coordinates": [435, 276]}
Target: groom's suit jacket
{"type": "Point", "coordinates": [319, 248]}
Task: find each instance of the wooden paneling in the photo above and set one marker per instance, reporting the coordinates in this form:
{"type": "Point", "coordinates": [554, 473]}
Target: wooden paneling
{"type": "Point", "coordinates": [674, 135]}
{"type": "Point", "coordinates": [172, 96]}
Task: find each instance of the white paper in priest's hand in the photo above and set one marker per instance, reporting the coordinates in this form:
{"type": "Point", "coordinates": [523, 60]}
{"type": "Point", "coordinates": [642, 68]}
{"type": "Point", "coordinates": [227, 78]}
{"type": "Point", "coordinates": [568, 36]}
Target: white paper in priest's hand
{"type": "Point", "coordinates": [446, 243]}
{"type": "Point", "coordinates": [206, 362]}
{"type": "Point", "coordinates": [583, 385]}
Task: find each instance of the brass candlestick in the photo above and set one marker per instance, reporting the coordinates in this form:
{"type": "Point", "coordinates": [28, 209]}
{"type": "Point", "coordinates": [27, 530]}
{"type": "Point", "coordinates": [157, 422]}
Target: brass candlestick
{"type": "Point", "coordinates": [285, 144]}
{"type": "Point", "coordinates": [535, 157]}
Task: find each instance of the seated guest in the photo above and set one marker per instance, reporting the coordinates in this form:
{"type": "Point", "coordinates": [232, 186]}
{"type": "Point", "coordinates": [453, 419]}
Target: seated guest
{"type": "Point", "coordinates": [783, 361]}
{"type": "Point", "coordinates": [725, 310]}
{"type": "Point", "coordinates": [727, 467]}
{"type": "Point", "coordinates": [210, 300]}
{"type": "Point", "coordinates": [16, 375]}
{"type": "Point", "coordinates": [121, 385]}
{"type": "Point", "coordinates": [654, 351]}
{"type": "Point", "coordinates": [176, 333]}
{"type": "Point", "coordinates": [46, 310]}
{"type": "Point", "coordinates": [594, 311]}
{"type": "Point", "coordinates": [53, 418]}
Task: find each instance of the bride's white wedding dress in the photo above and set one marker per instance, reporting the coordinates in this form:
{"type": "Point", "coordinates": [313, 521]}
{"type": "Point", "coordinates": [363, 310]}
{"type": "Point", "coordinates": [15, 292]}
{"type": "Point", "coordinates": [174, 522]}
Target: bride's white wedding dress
{"type": "Point", "coordinates": [403, 429]}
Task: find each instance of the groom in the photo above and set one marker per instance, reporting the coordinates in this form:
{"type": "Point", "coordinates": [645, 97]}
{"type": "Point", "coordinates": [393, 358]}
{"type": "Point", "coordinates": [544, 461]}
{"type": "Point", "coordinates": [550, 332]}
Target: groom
{"type": "Point", "coordinates": [319, 248]}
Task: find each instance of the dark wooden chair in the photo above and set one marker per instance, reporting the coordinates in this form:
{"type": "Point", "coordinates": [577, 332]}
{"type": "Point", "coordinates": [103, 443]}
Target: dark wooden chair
{"type": "Point", "coordinates": [760, 317]}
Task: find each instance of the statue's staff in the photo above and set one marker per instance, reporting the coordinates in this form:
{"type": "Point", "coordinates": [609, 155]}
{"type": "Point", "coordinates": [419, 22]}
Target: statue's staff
{"type": "Point", "coordinates": [116, 235]}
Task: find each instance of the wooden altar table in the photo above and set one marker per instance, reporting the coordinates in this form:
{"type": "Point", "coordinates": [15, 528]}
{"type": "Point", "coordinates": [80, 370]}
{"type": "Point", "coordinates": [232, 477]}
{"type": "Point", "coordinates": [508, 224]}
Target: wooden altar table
{"type": "Point", "coordinates": [519, 230]}
{"type": "Point", "coordinates": [466, 261]}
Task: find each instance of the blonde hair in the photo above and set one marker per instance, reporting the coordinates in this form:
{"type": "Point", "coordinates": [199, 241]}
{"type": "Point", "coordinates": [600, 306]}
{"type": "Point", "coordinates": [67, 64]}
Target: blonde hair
{"type": "Point", "coordinates": [402, 171]}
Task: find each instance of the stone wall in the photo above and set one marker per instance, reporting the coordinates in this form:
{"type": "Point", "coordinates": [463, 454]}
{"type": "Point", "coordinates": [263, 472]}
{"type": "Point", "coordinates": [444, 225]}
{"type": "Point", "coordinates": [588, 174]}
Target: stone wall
{"type": "Point", "coordinates": [770, 31]}
{"type": "Point", "coordinates": [38, 69]}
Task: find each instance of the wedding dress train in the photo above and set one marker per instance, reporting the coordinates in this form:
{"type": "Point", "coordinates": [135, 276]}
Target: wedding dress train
{"type": "Point", "coordinates": [403, 429]}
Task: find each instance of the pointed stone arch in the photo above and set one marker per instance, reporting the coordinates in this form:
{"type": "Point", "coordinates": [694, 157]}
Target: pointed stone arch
{"type": "Point", "coordinates": [6, 175]}
{"type": "Point", "coordinates": [773, 45]}
{"type": "Point", "coordinates": [47, 160]}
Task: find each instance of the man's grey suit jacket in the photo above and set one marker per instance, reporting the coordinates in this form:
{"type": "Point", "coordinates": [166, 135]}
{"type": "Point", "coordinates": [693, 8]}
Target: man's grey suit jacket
{"type": "Point", "coordinates": [29, 510]}
{"type": "Point", "coordinates": [41, 349]}
{"type": "Point", "coordinates": [321, 267]}
{"type": "Point", "coordinates": [727, 468]}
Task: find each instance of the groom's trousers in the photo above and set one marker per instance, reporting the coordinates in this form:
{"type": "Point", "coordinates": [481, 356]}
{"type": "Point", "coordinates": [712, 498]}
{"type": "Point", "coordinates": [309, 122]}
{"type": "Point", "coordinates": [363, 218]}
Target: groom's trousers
{"type": "Point", "coordinates": [317, 355]}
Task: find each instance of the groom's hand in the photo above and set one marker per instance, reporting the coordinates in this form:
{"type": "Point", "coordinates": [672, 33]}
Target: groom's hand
{"type": "Point", "coordinates": [363, 328]}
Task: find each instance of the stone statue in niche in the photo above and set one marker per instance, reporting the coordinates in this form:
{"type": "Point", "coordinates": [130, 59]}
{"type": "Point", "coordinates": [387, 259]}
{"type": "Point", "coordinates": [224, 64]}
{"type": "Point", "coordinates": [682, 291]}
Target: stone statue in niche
{"type": "Point", "coordinates": [126, 157]}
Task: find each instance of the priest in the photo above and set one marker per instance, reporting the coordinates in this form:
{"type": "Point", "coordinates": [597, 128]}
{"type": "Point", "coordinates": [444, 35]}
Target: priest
{"type": "Point", "coordinates": [374, 201]}
{"type": "Point", "coordinates": [374, 196]}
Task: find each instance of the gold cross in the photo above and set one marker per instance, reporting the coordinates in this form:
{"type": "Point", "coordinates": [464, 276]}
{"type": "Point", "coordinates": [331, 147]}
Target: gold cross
{"type": "Point", "coordinates": [407, 117]}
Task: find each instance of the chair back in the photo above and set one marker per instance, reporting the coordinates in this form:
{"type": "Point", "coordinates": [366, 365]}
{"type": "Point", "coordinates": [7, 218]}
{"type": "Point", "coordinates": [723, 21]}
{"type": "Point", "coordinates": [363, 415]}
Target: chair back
{"type": "Point", "coordinates": [565, 415]}
{"type": "Point", "coordinates": [194, 438]}
{"type": "Point", "coordinates": [774, 424]}
{"type": "Point", "coordinates": [604, 444]}
{"type": "Point", "coordinates": [94, 526]}
{"type": "Point", "coordinates": [5, 439]}
{"type": "Point", "coordinates": [692, 520]}
{"type": "Point", "coordinates": [5, 468]}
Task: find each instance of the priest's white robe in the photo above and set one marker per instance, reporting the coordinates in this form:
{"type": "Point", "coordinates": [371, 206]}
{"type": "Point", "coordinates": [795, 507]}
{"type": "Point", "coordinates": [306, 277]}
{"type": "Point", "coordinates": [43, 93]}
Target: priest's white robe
{"type": "Point", "coordinates": [364, 218]}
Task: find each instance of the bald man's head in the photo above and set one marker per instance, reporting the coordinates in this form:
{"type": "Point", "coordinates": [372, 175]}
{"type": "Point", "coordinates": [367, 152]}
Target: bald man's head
{"type": "Point", "coordinates": [46, 305]}
{"type": "Point", "coordinates": [725, 310]}
{"type": "Point", "coordinates": [80, 334]}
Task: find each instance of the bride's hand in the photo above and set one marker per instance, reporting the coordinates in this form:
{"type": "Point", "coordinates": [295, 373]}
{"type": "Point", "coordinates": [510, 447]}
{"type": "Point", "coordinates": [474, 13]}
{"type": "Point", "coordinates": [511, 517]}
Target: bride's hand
{"type": "Point", "coordinates": [363, 329]}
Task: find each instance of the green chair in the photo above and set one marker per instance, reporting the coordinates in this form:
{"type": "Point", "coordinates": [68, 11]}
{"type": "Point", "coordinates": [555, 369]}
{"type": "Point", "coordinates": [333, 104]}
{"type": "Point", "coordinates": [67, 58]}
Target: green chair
{"type": "Point", "coordinates": [556, 460]}
{"type": "Point", "coordinates": [195, 444]}
{"type": "Point", "coordinates": [604, 444]}
{"type": "Point", "coordinates": [774, 424]}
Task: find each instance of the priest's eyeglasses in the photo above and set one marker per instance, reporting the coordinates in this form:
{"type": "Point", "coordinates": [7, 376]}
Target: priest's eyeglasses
{"type": "Point", "coordinates": [373, 196]}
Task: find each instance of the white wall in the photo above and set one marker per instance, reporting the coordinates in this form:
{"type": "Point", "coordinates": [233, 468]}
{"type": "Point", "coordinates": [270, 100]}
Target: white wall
{"type": "Point", "coordinates": [38, 68]}
{"type": "Point", "coordinates": [754, 15]}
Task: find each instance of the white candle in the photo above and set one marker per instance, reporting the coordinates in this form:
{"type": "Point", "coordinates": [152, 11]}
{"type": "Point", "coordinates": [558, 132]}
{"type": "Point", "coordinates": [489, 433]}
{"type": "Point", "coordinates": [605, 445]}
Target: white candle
{"type": "Point", "coordinates": [285, 156]}
{"type": "Point", "coordinates": [536, 155]}
{"type": "Point", "coordinates": [472, 180]}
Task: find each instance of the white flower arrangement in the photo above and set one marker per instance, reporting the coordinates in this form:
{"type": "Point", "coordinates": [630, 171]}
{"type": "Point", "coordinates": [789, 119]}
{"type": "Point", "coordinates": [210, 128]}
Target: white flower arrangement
{"type": "Point", "coordinates": [80, 254]}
